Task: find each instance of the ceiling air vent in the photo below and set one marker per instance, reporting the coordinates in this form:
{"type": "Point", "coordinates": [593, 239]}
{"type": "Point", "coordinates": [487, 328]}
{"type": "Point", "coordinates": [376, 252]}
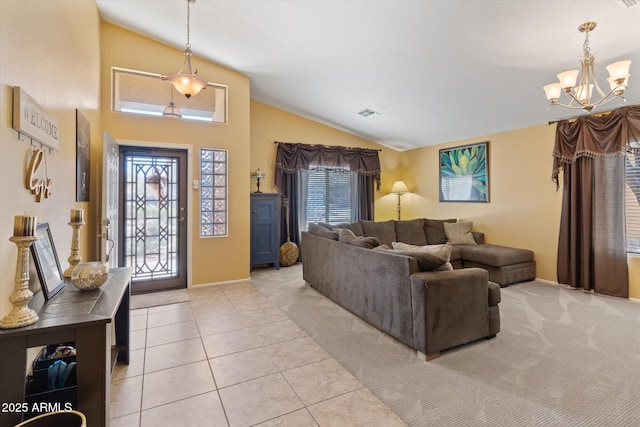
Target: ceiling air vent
{"type": "Point", "coordinates": [629, 3]}
{"type": "Point", "coordinates": [368, 113]}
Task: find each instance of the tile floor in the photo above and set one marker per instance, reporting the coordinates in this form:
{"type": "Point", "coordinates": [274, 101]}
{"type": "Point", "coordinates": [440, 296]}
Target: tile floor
{"type": "Point", "coordinates": [230, 357]}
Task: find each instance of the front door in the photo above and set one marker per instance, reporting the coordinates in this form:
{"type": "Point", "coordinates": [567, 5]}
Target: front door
{"type": "Point", "coordinates": [153, 237]}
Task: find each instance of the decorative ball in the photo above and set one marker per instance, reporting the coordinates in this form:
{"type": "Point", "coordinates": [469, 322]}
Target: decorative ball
{"type": "Point", "coordinates": [289, 254]}
{"type": "Point", "coordinates": [90, 275]}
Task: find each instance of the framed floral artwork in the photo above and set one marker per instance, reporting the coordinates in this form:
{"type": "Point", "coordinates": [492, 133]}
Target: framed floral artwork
{"type": "Point", "coordinates": [464, 173]}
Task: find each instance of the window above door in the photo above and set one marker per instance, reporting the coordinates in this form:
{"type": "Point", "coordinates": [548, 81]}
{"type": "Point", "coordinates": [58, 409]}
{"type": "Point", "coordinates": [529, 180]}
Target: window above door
{"type": "Point", "coordinates": [139, 92]}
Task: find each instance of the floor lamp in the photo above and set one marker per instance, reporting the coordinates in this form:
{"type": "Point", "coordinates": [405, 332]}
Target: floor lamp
{"type": "Point", "coordinates": [399, 188]}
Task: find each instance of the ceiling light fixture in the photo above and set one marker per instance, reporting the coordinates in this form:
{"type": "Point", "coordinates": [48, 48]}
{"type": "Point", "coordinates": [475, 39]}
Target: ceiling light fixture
{"type": "Point", "coordinates": [171, 110]}
{"type": "Point", "coordinates": [580, 94]}
{"type": "Point", "coordinates": [188, 82]}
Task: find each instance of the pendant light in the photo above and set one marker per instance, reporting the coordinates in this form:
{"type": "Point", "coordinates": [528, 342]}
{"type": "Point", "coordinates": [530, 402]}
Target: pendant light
{"type": "Point", "coordinates": [171, 110]}
{"type": "Point", "coordinates": [186, 81]}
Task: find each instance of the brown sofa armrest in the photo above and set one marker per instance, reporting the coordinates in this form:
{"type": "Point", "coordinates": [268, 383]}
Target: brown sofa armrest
{"type": "Point", "coordinates": [450, 308]}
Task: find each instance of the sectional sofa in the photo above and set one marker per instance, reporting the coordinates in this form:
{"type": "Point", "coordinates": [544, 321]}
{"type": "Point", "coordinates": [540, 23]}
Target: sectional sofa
{"type": "Point", "coordinates": [400, 292]}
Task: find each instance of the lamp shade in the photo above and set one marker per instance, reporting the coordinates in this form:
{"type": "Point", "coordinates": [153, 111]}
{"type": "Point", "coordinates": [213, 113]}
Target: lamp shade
{"type": "Point", "coordinates": [568, 79]}
{"type": "Point", "coordinates": [619, 71]}
{"type": "Point", "coordinates": [258, 174]}
{"type": "Point", "coordinates": [188, 83]}
{"type": "Point", "coordinates": [399, 187]}
{"type": "Point", "coordinates": [172, 111]}
{"type": "Point", "coordinates": [553, 91]}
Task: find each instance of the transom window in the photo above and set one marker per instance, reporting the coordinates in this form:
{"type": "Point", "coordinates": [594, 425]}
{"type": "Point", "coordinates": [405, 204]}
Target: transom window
{"type": "Point", "coordinates": [139, 92]}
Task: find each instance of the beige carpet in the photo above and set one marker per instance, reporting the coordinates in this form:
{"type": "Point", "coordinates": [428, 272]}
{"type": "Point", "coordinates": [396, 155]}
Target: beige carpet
{"type": "Point", "coordinates": [563, 358]}
{"type": "Point", "coordinates": [159, 298]}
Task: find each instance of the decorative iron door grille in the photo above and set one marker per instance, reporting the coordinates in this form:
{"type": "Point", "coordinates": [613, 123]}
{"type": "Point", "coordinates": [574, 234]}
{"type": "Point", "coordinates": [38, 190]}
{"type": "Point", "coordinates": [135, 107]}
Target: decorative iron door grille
{"type": "Point", "coordinates": [153, 220]}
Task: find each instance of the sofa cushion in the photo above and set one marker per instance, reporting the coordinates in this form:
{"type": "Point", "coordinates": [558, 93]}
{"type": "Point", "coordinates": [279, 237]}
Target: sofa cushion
{"type": "Point", "coordinates": [385, 231]}
{"type": "Point", "coordinates": [495, 255]}
{"type": "Point", "coordinates": [441, 251]}
{"type": "Point", "coordinates": [434, 231]}
{"type": "Point", "coordinates": [411, 231]}
{"type": "Point", "coordinates": [356, 227]}
{"type": "Point", "coordinates": [347, 236]}
{"type": "Point", "coordinates": [321, 231]}
{"type": "Point", "coordinates": [426, 261]}
{"type": "Point", "coordinates": [459, 233]}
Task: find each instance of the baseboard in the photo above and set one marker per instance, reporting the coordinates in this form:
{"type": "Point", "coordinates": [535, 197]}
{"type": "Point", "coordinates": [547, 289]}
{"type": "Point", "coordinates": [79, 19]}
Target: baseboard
{"type": "Point", "coordinates": [550, 282]}
{"type": "Point", "coordinates": [226, 282]}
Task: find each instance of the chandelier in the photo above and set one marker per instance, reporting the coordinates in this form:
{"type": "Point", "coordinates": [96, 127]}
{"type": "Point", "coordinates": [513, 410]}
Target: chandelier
{"type": "Point", "coordinates": [579, 91]}
{"type": "Point", "coordinates": [185, 81]}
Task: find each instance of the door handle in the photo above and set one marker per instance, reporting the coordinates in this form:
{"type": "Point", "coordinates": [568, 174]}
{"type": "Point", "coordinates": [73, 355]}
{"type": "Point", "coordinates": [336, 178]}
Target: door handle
{"type": "Point", "coordinates": [181, 218]}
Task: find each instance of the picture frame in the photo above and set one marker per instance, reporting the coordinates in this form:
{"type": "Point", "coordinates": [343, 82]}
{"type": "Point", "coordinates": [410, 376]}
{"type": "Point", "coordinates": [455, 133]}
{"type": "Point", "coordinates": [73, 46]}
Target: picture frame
{"type": "Point", "coordinates": [83, 157]}
{"type": "Point", "coordinates": [464, 173]}
{"type": "Point", "coordinates": [46, 261]}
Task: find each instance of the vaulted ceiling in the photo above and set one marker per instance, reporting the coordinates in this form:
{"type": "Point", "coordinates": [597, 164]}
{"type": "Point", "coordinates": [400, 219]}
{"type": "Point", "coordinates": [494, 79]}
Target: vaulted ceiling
{"type": "Point", "coordinates": [431, 71]}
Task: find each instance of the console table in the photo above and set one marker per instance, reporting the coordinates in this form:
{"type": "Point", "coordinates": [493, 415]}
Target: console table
{"type": "Point", "coordinates": [85, 318]}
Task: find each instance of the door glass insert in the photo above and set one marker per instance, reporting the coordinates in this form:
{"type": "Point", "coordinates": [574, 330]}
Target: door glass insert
{"type": "Point", "coordinates": [151, 216]}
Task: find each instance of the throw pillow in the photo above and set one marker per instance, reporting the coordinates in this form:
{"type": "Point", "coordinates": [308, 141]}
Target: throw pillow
{"type": "Point", "coordinates": [321, 231]}
{"type": "Point", "coordinates": [459, 233]}
{"type": "Point", "coordinates": [434, 231]}
{"type": "Point", "coordinates": [441, 251]}
{"type": "Point", "coordinates": [426, 261]}
{"type": "Point", "coordinates": [347, 236]}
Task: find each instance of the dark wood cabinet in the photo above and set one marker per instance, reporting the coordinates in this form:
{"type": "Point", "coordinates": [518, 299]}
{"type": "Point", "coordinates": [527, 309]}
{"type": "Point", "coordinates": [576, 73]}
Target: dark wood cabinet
{"type": "Point", "coordinates": [265, 229]}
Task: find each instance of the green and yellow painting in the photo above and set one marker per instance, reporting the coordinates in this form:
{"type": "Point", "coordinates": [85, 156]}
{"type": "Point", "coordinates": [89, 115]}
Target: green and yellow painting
{"type": "Point", "coordinates": [464, 173]}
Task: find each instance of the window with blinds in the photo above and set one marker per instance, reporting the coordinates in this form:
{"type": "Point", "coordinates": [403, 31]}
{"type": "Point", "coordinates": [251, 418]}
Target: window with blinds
{"type": "Point", "coordinates": [632, 200]}
{"type": "Point", "coordinates": [328, 197]}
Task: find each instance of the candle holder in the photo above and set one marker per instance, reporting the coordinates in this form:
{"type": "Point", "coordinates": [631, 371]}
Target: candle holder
{"type": "Point", "coordinates": [21, 314]}
{"type": "Point", "coordinates": [75, 258]}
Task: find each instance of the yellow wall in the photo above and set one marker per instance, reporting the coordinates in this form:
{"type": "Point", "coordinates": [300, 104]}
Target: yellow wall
{"type": "Point", "coordinates": [524, 208]}
{"type": "Point", "coordinates": [269, 124]}
{"type": "Point", "coordinates": [218, 259]}
{"type": "Point", "coordinates": [60, 54]}
{"type": "Point", "coordinates": [51, 50]}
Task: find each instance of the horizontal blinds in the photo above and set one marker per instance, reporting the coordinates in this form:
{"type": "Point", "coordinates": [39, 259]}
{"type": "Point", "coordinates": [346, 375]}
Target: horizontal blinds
{"type": "Point", "coordinates": [632, 200]}
{"type": "Point", "coordinates": [329, 197]}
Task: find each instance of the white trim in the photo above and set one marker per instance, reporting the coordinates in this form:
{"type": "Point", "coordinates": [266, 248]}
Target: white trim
{"type": "Point", "coordinates": [189, 149]}
{"type": "Point", "coordinates": [225, 282]}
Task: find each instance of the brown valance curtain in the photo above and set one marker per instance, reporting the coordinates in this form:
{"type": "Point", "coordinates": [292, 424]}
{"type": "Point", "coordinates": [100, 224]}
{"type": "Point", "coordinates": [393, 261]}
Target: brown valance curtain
{"type": "Point", "coordinates": [292, 158]}
{"type": "Point", "coordinates": [600, 136]}
{"type": "Point", "coordinates": [590, 152]}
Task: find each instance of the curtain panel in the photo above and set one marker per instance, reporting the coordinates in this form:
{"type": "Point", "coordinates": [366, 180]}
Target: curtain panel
{"type": "Point", "coordinates": [294, 159]}
{"type": "Point", "coordinates": [591, 247]}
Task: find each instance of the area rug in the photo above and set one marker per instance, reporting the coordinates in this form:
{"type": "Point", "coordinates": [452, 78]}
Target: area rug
{"type": "Point", "coordinates": [159, 298]}
{"type": "Point", "coordinates": [563, 357]}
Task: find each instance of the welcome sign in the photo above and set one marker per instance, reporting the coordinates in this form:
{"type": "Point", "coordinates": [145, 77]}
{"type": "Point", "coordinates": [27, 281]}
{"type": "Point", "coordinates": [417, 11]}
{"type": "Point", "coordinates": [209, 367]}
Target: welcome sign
{"type": "Point", "coordinates": [32, 120]}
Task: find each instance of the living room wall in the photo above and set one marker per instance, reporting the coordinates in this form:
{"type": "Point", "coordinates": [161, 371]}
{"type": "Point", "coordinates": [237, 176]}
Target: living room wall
{"type": "Point", "coordinates": [214, 260]}
{"type": "Point", "coordinates": [524, 208]}
{"type": "Point", "coordinates": [269, 124]}
{"type": "Point", "coordinates": [51, 50]}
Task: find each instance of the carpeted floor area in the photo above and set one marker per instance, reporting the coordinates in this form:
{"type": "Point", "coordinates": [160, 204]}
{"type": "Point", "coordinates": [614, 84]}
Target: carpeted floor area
{"type": "Point", "coordinates": [563, 357]}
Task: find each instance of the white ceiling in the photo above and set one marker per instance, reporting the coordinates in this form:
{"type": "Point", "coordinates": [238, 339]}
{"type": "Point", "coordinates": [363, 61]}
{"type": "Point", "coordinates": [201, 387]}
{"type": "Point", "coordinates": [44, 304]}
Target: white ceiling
{"type": "Point", "coordinates": [435, 71]}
